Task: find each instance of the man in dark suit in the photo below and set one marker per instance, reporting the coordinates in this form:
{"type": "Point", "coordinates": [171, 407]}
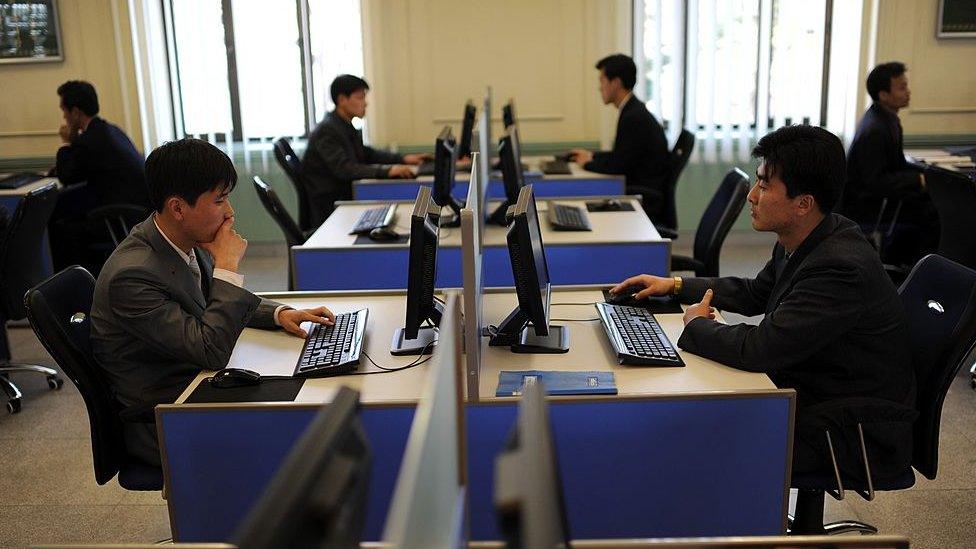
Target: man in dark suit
{"type": "Point", "coordinates": [877, 170]}
{"type": "Point", "coordinates": [336, 156]}
{"type": "Point", "coordinates": [834, 326]}
{"type": "Point", "coordinates": [101, 156]}
{"type": "Point", "coordinates": [640, 148]}
{"type": "Point", "coordinates": [169, 301]}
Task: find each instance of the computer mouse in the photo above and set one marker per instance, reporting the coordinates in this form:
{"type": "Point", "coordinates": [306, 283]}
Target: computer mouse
{"type": "Point", "coordinates": [612, 205]}
{"type": "Point", "coordinates": [235, 377]}
{"type": "Point", "coordinates": [624, 296]}
{"type": "Point", "coordinates": [383, 234]}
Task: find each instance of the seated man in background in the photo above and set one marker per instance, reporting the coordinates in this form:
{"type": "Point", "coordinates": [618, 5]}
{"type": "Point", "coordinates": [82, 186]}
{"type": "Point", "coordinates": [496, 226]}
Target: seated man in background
{"type": "Point", "coordinates": [834, 326]}
{"type": "Point", "coordinates": [169, 301]}
{"type": "Point", "coordinates": [335, 155]}
{"type": "Point", "coordinates": [877, 170]}
{"type": "Point", "coordinates": [640, 148]}
{"type": "Point", "coordinates": [102, 156]}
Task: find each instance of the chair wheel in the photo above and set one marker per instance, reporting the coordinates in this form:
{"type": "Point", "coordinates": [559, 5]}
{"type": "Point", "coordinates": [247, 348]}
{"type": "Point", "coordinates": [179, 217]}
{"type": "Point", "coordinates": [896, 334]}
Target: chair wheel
{"type": "Point", "coordinates": [13, 406]}
{"type": "Point", "coordinates": [55, 382]}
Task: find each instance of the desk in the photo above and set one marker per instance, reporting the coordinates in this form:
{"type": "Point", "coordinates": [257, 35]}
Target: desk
{"type": "Point", "coordinates": [721, 436]}
{"type": "Point", "coordinates": [10, 199]}
{"type": "Point", "coordinates": [579, 183]}
{"type": "Point", "coordinates": [620, 245]}
{"type": "Point", "coordinates": [929, 159]}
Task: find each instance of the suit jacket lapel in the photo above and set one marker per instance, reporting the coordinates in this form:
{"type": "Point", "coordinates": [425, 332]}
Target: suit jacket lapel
{"type": "Point", "coordinates": [785, 279]}
{"type": "Point", "coordinates": [182, 277]}
{"type": "Point", "coordinates": [206, 272]}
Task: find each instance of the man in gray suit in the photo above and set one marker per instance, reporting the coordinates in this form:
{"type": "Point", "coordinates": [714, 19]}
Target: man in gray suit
{"type": "Point", "coordinates": [169, 302]}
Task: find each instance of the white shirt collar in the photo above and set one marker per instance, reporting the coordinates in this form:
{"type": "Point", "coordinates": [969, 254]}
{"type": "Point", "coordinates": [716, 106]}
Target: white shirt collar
{"type": "Point", "coordinates": [189, 258]}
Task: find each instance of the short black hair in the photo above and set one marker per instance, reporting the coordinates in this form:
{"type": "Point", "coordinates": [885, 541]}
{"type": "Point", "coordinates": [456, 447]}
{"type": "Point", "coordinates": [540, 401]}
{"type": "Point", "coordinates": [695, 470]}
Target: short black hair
{"type": "Point", "coordinates": [809, 160]}
{"type": "Point", "coordinates": [187, 168]}
{"type": "Point", "coordinates": [619, 66]}
{"type": "Point", "coordinates": [81, 94]}
{"type": "Point", "coordinates": [879, 79]}
{"type": "Point", "coordinates": [346, 84]}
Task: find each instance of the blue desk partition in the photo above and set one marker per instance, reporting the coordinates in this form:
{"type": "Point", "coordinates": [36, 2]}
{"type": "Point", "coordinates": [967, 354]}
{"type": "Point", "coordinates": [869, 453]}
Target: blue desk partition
{"type": "Point", "coordinates": [696, 465]}
{"type": "Point", "coordinates": [386, 268]}
{"type": "Point", "coordinates": [552, 186]}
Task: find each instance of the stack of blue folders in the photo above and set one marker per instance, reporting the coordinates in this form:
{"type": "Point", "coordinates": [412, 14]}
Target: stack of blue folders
{"type": "Point", "coordinates": [557, 383]}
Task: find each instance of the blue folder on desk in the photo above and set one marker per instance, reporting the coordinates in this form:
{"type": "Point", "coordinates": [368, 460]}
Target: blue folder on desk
{"type": "Point", "coordinates": [557, 383]}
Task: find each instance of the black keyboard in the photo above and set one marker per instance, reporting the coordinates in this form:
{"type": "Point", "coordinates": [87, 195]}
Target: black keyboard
{"type": "Point", "coordinates": [373, 219]}
{"type": "Point", "coordinates": [18, 180]}
{"type": "Point", "coordinates": [555, 167]}
{"type": "Point", "coordinates": [333, 350]}
{"type": "Point", "coordinates": [636, 336]}
{"type": "Point", "coordinates": [568, 218]}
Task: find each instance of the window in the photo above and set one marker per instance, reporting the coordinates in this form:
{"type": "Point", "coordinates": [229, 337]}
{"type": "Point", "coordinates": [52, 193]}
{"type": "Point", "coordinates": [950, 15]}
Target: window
{"type": "Point", "coordinates": [245, 70]}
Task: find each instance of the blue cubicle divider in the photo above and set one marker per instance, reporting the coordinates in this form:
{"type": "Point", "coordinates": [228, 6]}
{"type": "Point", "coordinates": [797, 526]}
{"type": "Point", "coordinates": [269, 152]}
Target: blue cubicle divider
{"type": "Point", "coordinates": [378, 268]}
{"type": "Point", "coordinates": [407, 190]}
{"type": "Point", "coordinates": [661, 467]}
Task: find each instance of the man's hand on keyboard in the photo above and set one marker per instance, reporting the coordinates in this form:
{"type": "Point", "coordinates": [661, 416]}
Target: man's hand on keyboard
{"type": "Point", "coordinates": [291, 319]}
{"type": "Point", "coordinates": [701, 309]}
{"type": "Point", "coordinates": [652, 285]}
{"type": "Point", "coordinates": [400, 171]}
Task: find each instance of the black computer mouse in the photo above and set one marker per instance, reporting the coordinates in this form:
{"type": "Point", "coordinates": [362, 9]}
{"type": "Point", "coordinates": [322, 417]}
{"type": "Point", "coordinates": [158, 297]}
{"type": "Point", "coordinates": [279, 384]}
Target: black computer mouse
{"type": "Point", "coordinates": [611, 205]}
{"type": "Point", "coordinates": [624, 296]}
{"type": "Point", "coordinates": [235, 377]}
{"type": "Point", "coordinates": [383, 234]}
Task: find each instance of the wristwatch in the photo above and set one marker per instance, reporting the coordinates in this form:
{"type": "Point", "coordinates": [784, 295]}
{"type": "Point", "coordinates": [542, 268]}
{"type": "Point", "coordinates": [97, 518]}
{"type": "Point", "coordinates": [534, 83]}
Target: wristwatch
{"type": "Point", "coordinates": [677, 286]}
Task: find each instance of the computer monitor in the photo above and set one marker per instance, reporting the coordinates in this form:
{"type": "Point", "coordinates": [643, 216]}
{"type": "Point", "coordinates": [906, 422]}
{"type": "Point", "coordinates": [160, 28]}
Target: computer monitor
{"type": "Point", "coordinates": [513, 179]}
{"type": "Point", "coordinates": [531, 273]}
{"type": "Point", "coordinates": [529, 500]}
{"type": "Point", "coordinates": [445, 158]}
{"type": "Point", "coordinates": [318, 496]}
{"type": "Point", "coordinates": [508, 114]}
{"type": "Point", "coordinates": [422, 306]}
{"type": "Point", "coordinates": [467, 127]}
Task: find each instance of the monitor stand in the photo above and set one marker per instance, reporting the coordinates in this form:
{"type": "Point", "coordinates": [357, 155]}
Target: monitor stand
{"type": "Point", "coordinates": [516, 332]}
{"type": "Point", "coordinates": [426, 339]}
{"type": "Point", "coordinates": [455, 206]}
{"type": "Point", "coordinates": [500, 215]}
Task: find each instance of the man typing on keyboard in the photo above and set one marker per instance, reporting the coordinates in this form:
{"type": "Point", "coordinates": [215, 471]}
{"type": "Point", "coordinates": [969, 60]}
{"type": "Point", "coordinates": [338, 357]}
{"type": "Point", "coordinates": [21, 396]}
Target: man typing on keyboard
{"type": "Point", "coordinates": [170, 302]}
{"type": "Point", "coordinates": [834, 326]}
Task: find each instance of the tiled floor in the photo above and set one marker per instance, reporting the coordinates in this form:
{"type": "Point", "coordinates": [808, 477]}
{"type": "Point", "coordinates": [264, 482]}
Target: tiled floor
{"type": "Point", "coordinates": [48, 493]}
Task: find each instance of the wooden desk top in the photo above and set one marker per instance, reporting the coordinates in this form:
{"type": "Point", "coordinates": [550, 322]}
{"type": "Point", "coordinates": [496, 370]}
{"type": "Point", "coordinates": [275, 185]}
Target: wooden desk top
{"type": "Point", "coordinates": [621, 227]}
{"type": "Point", "coordinates": [276, 352]}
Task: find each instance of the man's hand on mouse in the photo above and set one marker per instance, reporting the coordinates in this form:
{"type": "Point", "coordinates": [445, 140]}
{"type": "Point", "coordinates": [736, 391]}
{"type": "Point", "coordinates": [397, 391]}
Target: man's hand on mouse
{"type": "Point", "coordinates": [702, 309]}
{"type": "Point", "coordinates": [653, 285]}
{"type": "Point", "coordinates": [581, 156]}
{"type": "Point", "coordinates": [291, 319]}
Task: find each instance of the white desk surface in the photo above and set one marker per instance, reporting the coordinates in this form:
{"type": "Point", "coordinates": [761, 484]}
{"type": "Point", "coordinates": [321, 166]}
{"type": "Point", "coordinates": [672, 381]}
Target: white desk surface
{"type": "Point", "coordinates": [276, 353]}
{"type": "Point", "coordinates": [531, 162]}
{"type": "Point", "coordinates": [21, 191]}
{"type": "Point", "coordinates": [620, 227]}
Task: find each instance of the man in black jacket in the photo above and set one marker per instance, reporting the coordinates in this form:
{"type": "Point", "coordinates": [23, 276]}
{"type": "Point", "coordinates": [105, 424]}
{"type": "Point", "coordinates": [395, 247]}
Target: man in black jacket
{"type": "Point", "coordinates": [640, 149]}
{"type": "Point", "coordinates": [834, 327]}
{"type": "Point", "coordinates": [876, 170]}
{"type": "Point", "coordinates": [336, 156]}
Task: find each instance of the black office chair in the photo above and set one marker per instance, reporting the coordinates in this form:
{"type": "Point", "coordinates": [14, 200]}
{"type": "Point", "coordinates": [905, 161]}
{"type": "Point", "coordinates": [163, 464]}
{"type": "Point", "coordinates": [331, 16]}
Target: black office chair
{"type": "Point", "coordinates": [21, 266]}
{"type": "Point", "coordinates": [109, 225]}
{"type": "Point", "coordinates": [683, 147]}
{"type": "Point", "coordinates": [293, 235]}
{"type": "Point", "coordinates": [715, 224]}
{"type": "Point", "coordinates": [292, 165]}
{"type": "Point", "coordinates": [954, 197]}
{"type": "Point", "coordinates": [939, 296]}
{"type": "Point", "coordinates": [59, 310]}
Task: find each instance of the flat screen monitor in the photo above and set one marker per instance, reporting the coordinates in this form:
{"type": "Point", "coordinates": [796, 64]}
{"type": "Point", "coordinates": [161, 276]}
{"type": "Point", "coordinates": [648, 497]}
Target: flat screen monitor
{"type": "Point", "coordinates": [513, 179]}
{"type": "Point", "coordinates": [445, 167]}
{"type": "Point", "coordinates": [528, 494]}
{"type": "Point", "coordinates": [508, 114]}
{"type": "Point", "coordinates": [531, 273]}
{"type": "Point", "coordinates": [318, 496]}
{"type": "Point", "coordinates": [467, 127]}
{"type": "Point", "coordinates": [422, 306]}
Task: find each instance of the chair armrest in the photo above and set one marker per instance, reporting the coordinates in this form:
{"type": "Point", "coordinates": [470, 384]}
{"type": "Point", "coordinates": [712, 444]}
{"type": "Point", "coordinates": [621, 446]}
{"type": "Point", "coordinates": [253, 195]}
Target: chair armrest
{"type": "Point", "coordinates": [667, 232]}
{"type": "Point", "coordinates": [685, 263]}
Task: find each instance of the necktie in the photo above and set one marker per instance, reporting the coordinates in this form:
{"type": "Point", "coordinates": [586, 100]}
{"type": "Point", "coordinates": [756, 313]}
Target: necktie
{"type": "Point", "coordinates": [195, 269]}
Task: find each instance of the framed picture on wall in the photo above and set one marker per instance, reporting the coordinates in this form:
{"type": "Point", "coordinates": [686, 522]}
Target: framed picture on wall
{"type": "Point", "coordinates": [29, 31]}
{"type": "Point", "coordinates": [957, 19]}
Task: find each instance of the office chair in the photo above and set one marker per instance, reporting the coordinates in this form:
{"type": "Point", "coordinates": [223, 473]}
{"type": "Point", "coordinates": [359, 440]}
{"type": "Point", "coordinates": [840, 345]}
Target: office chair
{"type": "Point", "coordinates": [113, 222]}
{"type": "Point", "coordinates": [59, 310]}
{"type": "Point", "coordinates": [680, 154]}
{"type": "Point", "coordinates": [293, 235]}
{"type": "Point", "coordinates": [23, 265]}
{"type": "Point", "coordinates": [954, 197]}
{"type": "Point", "coordinates": [939, 296]}
{"type": "Point", "coordinates": [715, 224]}
{"type": "Point", "coordinates": [292, 165]}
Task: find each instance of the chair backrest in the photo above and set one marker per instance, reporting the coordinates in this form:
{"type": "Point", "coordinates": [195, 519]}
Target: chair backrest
{"type": "Point", "coordinates": [676, 164]}
{"type": "Point", "coordinates": [954, 197]}
{"type": "Point", "coordinates": [292, 165]}
{"type": "Point", "coordinates": [59, 310]}
{"type": "Point", "coordinates": [293, 235]}
{"type": "Point", "coordinates": [939, 296]}
{"type": "Point", "coordinates": [21, 263]}
{"type": "Point", "coordinates": [718, 218]}
{"type": "Point", "coordinates": [116, 220]}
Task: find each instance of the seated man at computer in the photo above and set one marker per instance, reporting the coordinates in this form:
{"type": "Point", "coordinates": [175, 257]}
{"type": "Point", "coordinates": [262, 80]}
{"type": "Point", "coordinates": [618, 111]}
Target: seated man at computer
{"type": "Point", "coordinates": [99, 154]}
{"type": "Point", "coordinates": [834, 326]}
{"type": "Point", "coordinates": [877, 170]}
{"type": "Point", "coordinates": [640, 148]}
{"type": "Point", "coordinates": [336, 155]}
{"type": "Point", "coordinates": [170, 301]}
